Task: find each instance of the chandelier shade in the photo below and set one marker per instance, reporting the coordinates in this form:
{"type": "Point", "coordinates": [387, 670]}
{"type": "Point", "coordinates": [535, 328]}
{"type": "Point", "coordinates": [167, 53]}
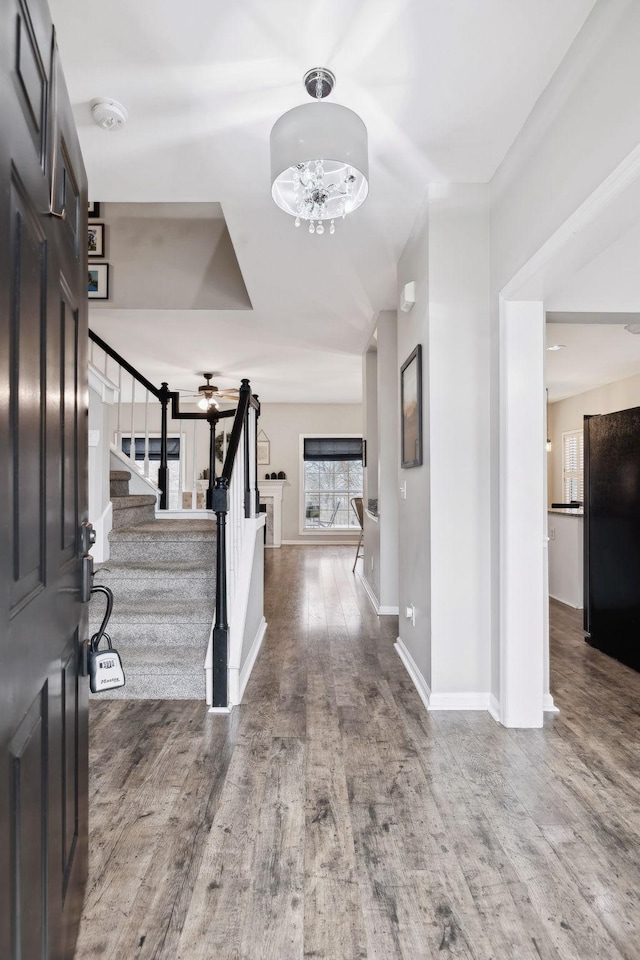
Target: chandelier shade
{"type": "Point", "coordinates": [319, 163]}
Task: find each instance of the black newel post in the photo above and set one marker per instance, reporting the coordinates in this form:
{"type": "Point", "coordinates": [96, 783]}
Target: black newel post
{"type": "Point", "coordinates": [221, 627]}
{"type": "Point", "coordinates": [212, 418]}
{"type": "Point", "coordinates": [163, 472]}
{"type": "Point", "coordinates": [255, 455]}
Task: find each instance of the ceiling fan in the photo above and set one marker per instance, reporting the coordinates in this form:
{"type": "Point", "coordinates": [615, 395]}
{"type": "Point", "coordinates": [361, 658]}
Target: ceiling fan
{"type": "Point", "coordinates": [209, 394]}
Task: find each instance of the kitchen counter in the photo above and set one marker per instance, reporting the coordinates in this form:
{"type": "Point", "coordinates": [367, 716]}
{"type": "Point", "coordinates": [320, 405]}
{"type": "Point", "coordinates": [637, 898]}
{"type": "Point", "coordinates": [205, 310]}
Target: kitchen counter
{"type": "Point", "coordinates": [566, 533]}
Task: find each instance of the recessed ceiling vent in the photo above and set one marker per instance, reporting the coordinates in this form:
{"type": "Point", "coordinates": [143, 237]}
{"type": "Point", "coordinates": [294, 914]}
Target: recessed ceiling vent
{"type": "Point", "coordinates": [109, 114]}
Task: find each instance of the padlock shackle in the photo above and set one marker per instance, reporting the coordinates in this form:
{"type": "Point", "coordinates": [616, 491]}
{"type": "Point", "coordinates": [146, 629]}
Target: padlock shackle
{"type": "Point", "coordinates": [94, 643]}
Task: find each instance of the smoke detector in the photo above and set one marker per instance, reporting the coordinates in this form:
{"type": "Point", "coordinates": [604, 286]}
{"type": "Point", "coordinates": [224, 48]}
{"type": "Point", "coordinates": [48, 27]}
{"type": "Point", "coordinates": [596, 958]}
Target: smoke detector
{"type": "Point", "coordinates": [109, 114]}
{"type": "Point", "coordinates": [633, 328]}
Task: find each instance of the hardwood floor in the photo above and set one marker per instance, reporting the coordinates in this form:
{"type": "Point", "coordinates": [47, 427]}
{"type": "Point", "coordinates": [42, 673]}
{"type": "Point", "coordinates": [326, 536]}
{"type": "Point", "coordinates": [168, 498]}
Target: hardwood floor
{"type": "Point", "coordinates": [331, 817]}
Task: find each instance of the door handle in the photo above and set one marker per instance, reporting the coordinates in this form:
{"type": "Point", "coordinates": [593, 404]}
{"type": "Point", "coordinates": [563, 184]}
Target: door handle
{"type": "Point", "coordinates": [87, 536]}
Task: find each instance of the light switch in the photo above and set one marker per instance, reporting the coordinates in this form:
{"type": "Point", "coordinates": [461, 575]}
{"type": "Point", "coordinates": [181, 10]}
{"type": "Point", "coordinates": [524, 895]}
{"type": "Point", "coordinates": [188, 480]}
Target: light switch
{"type": "Point", "coordinates": [403, 490]}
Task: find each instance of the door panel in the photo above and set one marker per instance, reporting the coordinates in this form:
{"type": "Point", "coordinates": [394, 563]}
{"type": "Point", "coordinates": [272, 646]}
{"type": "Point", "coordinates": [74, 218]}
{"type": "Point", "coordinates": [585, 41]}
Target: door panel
{"type": "Point", "coordinates": [43, 496]}
{"type": "Point", "coordinates": [28, 752]}
{"type": "Point", "coordinates": [26, 456]}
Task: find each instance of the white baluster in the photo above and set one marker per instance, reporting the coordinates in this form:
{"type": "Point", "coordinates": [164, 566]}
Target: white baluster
{"type": "Point", "coordinates": [119, 430]}
{"type": "Point", "coordinates": [194, 471]}
{"type": "Point", "coordinates": [146, 434]}
{"type": "Point", "coordinates": [180, 465]}
{"type": "Point", "coordinates": [132, 447]}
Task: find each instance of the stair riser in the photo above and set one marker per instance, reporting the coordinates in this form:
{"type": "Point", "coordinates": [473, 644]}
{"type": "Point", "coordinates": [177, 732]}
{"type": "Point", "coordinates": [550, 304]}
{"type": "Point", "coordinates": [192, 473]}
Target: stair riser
{"type": "Point", "coordinates": [178, 551]}
{"type": "Point", "coordinates": [127, 635]}
{"type": "Point", "coordinates": [119, 488]}
{"type": "Point", "coordinates": [168, 687]}
{"type": "Point", "coordinates": [147, 588]}
{"type": "Point", "coordinates": [132, 515]}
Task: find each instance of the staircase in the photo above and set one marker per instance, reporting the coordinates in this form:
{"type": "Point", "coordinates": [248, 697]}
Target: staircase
{"type": "Point", "coordinates": [162, 574]}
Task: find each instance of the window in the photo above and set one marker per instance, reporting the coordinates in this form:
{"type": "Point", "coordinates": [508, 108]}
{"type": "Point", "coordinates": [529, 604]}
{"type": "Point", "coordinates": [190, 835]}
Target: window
{"type": "Point", "coordinates": [331, 475]}
{"type": "Point", "coordinates": [173, 462]}
{"type": "Point", "coordinates": [573, 466]}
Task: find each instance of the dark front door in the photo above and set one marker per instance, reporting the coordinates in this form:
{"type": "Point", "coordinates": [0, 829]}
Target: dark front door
{"type": "Point", "coordinates": [43, 410]}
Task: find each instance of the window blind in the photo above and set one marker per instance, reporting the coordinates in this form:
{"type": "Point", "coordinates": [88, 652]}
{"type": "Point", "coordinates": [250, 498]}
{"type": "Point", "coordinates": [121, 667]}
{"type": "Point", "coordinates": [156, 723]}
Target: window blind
{"type": "Point", "coordinates": [332, 448]}
{"type": "Point", "coordinates": [573, 466]}
{"type": "Point", "coordinates": [173, 448]}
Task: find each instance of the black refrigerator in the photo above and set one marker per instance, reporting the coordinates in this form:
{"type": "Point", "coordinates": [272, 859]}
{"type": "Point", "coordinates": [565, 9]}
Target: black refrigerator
{"type": "Point", "coordinates": [612, 534]}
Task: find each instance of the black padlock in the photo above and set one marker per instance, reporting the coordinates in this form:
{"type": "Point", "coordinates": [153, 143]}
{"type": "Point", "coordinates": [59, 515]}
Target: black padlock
{"type": "Point", "coordinates": [105, 668]}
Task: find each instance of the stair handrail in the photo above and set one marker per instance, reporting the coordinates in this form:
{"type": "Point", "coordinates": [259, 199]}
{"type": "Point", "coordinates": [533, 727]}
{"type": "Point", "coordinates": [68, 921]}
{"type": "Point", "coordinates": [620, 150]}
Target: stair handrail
{"type": "Point", "coordinates": [99, 342]}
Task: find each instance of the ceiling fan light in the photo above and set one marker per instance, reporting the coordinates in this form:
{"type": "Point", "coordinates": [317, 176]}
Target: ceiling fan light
{"type": "Point", "coordinates": [206, 402]}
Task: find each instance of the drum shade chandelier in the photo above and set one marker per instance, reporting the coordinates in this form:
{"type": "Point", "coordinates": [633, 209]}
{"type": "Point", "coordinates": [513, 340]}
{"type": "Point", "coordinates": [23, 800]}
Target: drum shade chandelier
{"type": "Point", "coordinates": [319, 158]}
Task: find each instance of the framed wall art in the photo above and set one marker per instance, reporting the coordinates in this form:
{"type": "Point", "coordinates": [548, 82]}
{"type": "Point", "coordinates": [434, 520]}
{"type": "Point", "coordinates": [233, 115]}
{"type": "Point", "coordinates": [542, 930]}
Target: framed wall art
{"type": "Point", "coordinates": [93, 208]}
{"type": "Point", "coordinates": [98, 281]}
{"type": "Point", "coordinates": [411, 409]}
{"type": "Point", "coordinates": [95, 239]}
{"type": "Point", "coordinates": [263, 448]}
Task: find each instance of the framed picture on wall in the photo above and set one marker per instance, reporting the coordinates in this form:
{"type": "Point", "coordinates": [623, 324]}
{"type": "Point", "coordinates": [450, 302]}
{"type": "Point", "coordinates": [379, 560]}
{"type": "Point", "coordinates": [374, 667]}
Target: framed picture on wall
{"type": "Point", "coordinates": [263, 451]}
{"type": "Point", "coordinates": [95, 239]}
{"type": "Point", "coordinates": [411, 409]}
{"type": "Point", "coordinates": [94, 208]}
{"type": "Point", "coordinates": [98, 281]}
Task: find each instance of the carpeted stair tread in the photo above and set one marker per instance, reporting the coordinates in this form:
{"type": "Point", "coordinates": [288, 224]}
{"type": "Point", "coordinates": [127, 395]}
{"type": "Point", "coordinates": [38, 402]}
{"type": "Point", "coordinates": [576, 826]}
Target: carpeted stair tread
{"type": "Point", "coordinates": [166, 673]}
{"type": "Point", "coordinates": [157, 609]}
{"type": "Point", "coordinates": [132, 500]}
{"type": "Point", "coordinates": [119, 475]}
{"type": "Point", "coordinates": [154, 570]}
{"type": "Point", "coordinates": [163, 660]}
{"type": "Point", "coordinates": [166, 530]}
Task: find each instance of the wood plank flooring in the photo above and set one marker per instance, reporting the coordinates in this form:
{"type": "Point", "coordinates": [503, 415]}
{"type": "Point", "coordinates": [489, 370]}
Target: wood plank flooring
{"type": "Point", "coordinates": [331, 817]}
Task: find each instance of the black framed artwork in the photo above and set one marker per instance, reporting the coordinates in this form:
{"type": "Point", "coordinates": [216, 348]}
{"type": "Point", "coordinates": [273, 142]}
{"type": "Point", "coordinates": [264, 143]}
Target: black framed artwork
{"type": "Point", "coordinates": [95, 237]}
{"type": "Point", "coordinates": [98, 281]}
{"type": "Point", "coordinates": [411, 409]}
{"type": "Point", "coordinates": [93, 208]}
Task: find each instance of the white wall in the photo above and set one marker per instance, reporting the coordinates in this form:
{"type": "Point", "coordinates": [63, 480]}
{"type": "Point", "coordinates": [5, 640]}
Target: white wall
{"type": "Point", "coordinates": [567, 415]}
{"type": "Point", "coordinates": [388, 430]}
{"type": "Point", "coordinates": [459, 414]}
{"type": "Point", "coordinates": [575, 157]}
{"type": "Point", "coordinates": [414, 513]}
{"type": "Point", "coordinates": [283, 423]}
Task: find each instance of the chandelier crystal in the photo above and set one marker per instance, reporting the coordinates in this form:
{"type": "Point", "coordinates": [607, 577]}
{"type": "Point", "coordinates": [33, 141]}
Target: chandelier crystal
{"type": "Point", "coordinates": [319, 158]}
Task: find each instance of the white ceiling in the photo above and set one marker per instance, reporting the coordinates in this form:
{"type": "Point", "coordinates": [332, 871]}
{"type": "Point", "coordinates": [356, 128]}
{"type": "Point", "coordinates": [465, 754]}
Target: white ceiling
{"type": "Point", "coordinates": [443, 88]}
{"type": "Point", "coordinates": [594, 355]}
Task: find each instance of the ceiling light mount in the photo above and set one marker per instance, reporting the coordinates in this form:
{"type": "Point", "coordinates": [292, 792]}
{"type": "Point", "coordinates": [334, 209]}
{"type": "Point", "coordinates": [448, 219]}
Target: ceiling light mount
{"type": "Point", "coordinates": [319, 158]}
{"type": "Point", "coordinates": [319, 82]}
{"type": "Point", "coordinates": [633, 328]}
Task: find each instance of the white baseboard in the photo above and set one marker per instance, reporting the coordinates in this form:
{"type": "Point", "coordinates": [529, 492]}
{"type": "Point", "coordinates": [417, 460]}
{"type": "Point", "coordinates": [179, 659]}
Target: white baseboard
{"type": "Point", "coordinates": [184, 514]}
{"type": "Point", "coordinates": [565, 603]}
{"type": "Point", "coordinates": [548, 706]}
{"type": "Point", "coordinates": [368, 589]}
{"type": "Point", "coordinates": [245, 673]}
{"type": "Point", "coordinates": [459, 701]}
{"type": "Point", "coordinates": [412, 669]}
{"type": "Point", "coordinates": [386, 611]}
{"type": "Point", "coordinates": [219, 710]}
{"type": "Point", "coordinates": [319, 543]}
{"type": "Point", "coordinates": [100, 550]}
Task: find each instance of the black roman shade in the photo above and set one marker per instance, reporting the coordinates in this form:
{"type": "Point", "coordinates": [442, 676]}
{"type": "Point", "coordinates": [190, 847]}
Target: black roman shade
{"type": "Point", "coordinates": [173, 448]}
{"type": "Point", "coordinates": [332, 448]}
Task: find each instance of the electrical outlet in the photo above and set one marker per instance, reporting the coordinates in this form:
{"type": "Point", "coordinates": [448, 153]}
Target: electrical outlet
{"type": "Point", "coordinates": [552, 533]}
{"type": "Point", "coordinates": [410, 613]}
{"type": "Point", "coordinates": [403, 490]}
{"type": "Point", "coordinates": [372, 563]}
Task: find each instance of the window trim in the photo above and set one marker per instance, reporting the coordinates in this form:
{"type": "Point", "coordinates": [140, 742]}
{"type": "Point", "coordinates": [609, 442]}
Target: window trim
{"type": "Point", "coordinates": [319, 531]}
